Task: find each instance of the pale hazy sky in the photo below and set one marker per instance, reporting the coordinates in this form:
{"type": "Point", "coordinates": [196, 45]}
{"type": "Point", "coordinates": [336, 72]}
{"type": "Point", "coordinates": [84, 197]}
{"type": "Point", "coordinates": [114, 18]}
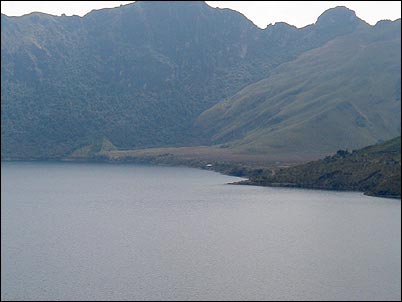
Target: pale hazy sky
{"type": "Point", "coordinates": [262, 13]}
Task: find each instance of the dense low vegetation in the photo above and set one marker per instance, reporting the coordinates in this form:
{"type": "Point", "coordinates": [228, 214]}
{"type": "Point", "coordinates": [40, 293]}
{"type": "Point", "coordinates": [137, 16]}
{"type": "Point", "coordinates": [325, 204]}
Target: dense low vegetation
{"type": "Point", "coordinates": [140, 75]}
{"type": "Point", "coordinates": [375, 170]}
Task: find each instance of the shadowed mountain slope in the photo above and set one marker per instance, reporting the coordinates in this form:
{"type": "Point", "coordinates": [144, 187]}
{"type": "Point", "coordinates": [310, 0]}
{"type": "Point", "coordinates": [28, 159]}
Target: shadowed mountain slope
{"type": "Point", "coordinates": [137, 75]}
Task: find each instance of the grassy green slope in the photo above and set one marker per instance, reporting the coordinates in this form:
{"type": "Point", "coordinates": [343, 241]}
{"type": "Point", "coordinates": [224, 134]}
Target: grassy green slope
{"type": "Point", "coordinates": [345, 94]}
{"type": "Point", "coordinates": [138, 75]}
{"type": "Point", "coordinates": [375, 170]}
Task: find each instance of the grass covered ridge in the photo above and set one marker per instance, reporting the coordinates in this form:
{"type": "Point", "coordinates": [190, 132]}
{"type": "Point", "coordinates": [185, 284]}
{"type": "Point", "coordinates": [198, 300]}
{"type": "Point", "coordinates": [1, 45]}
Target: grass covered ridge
{"type": "Point", "coordinates": [375, 170]}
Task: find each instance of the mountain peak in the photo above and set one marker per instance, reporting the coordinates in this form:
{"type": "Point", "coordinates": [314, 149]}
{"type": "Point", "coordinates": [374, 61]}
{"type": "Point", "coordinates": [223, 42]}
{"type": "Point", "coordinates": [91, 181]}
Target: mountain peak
{"type": "Point", "coordinates": [174, 4]}
{"type": "Point", "coordinates": [335, 16]}
{"type": "Point", "coordinates": [340, 20]}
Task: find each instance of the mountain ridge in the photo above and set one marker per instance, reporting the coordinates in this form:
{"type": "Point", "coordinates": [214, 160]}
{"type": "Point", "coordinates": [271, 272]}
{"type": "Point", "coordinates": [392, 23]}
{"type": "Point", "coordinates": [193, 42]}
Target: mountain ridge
{"type": "Point", "coordinates": [70, 81]}
{"type": "Point", "coordinates": [347, 73]}
{"type": "Point", "coordinates": [374, 170]}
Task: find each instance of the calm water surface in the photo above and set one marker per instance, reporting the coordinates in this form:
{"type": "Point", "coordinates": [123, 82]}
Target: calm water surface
{"type": "Point", "coordinates": [128, 232]}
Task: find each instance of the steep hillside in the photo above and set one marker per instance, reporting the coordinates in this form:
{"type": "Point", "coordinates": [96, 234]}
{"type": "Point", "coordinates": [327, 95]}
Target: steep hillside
{"type": "Point", "coordinates": [137, 75]}
{"type": "Point", "coordinates": [344, 94]}
{"type": "Point", "coordinates": [375, 170]}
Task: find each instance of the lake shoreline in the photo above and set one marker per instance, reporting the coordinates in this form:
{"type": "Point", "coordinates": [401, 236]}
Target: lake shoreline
{"type": "Point", "coordinates": [148, 232]}
{"type": "Point", "coordinates": [249, 182]}
{"type": "Point", "coordinates": [229, 169]}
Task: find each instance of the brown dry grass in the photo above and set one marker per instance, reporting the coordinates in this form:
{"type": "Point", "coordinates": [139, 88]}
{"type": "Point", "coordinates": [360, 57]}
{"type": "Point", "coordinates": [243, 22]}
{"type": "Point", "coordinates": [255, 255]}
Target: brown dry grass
{"type": "Point", "coordinates": [205, 154]}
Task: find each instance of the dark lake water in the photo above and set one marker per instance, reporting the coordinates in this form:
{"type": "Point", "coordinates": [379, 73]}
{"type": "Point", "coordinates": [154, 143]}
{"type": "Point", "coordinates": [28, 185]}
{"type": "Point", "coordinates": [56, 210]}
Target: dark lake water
{"type": "Point", "coordinates": [127, 232]}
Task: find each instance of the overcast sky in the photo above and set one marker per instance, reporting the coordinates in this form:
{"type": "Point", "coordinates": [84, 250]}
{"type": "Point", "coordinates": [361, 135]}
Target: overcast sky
{"type": "Point", "coordinates": [262, 13]}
